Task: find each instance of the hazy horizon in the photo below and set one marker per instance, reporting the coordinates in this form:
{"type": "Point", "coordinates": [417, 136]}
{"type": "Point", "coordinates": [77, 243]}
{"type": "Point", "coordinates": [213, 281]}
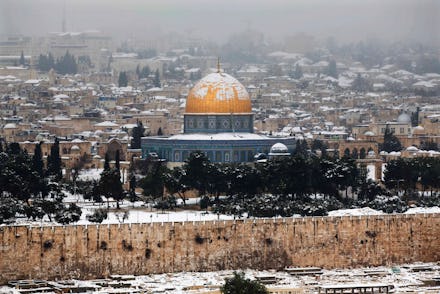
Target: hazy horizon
{"type": "Point", "coordinates": [215, 20]}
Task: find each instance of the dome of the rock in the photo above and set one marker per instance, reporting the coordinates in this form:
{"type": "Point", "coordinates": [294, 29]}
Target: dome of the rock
{"type": "Point", "coordinates": [218, 93]}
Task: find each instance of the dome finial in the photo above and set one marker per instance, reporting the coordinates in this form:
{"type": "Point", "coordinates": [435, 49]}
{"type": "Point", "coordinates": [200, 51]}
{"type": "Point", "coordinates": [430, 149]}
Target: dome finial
{"type": "Point", "coordinates": [218, 64]}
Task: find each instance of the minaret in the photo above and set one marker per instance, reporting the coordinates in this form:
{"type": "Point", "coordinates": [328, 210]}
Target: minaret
{"type": "Point", "coordinates": [218, 65]}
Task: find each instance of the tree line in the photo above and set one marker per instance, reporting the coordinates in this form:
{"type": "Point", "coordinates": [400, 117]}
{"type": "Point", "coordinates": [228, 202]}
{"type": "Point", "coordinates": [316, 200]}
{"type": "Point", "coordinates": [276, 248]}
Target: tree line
{"type": "Point", "coordinates": [304, 184]}
{"type": "Point", "coordinates": [66, 64]}
{"type": "Point", "coordinates": [299, 184]}
{"type": "Point", "coordinates": [29, 190]}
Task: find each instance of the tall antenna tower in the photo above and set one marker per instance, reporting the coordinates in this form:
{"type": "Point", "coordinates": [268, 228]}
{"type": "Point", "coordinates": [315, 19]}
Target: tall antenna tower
{"type": "Point", "coordinates": [63, 24]}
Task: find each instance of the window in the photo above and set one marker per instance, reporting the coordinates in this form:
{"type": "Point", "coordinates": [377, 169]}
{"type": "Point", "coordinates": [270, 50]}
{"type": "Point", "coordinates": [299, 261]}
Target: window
{"type": "Point", "coordinates": [382, 130]}
{"type": "Point", "coordinates": [402, 130]}
{"type": "Point", "coordinates": [211, 124]}
{"type": "Point", "coordinates": [200, 124]}
{"type": "Point", "coordinates": [227, 156]}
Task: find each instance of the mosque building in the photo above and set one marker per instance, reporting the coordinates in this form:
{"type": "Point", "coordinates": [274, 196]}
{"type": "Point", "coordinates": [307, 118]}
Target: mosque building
{"type": "Point", "coordinates": [218, 121]}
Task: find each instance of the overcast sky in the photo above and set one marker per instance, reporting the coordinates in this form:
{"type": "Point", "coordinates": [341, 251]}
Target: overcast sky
{"type": "Point", "coordinates": [346, 20]}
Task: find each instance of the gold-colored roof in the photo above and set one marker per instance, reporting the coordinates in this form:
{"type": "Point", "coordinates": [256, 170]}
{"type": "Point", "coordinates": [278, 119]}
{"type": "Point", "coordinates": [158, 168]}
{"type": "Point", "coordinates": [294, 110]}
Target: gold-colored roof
{"type": "Point", "coordinates": [218, 93]}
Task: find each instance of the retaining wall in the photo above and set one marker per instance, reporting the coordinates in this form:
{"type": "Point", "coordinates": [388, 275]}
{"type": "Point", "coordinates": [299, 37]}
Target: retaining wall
{"type": "Point", "coordinates": [92, 251]}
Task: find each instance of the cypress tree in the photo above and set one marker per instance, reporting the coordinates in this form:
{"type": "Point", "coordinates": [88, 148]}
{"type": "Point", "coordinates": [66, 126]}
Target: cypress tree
{"type": "Point", "coordinates": [157, 79]}
{"type": "Point", "coordinates": [297, 73]}
{"type": "Point", "coordinates": [332, 69]}
{"type": "Point", "coordinates": [106, 162]}
{"type": "Point", "coordinates": [50, 61]}
{"type": "Point", "coordinates": [132, 187]}
{"type": "Point", "coordinates": [37, 160]}
{"type": "Point", "coordinates": [390, 141]}
{"type": "Point", "coordinates": [22, 60]}
{"type": "Point", "coordinates": [54, 161]}
{"type": "Point", "coordinates": [159, 132]}
{"type": "Point", "coordinates": [122, 81]}
{"type": "Point", "coordinates": [66, 64]}
{"type": "Point", "coordinates": [145, 72]}
{"type": "Point", "coordinates": [137, 133]}
{"type": "Point", "coordinates": [117, 160]}
{"type": "Point", "coordinates": [42, 62]}
{"type": "Point", "coordinates": [138, 71]}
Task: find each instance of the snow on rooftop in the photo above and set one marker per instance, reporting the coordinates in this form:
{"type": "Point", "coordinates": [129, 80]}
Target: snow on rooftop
{"type": "Point", "coordinates": [77, 141]}
{"type": "Point", "coordinates": [61, 96]}
{"type": "Point", "coordinates": [32, 81]}
{"type": "Point", "coordinates": [424, 84]}
{"type": "Point", "coordinates": [106, 124]}
{"type": "Point", "coordinates": [124, 55]}
{"type": "Point", "coordinates": [219, 136]}
{"type": "Point", "coordinates": [154, 89]}
{"type": "Point", "coordinates": [344, 82]}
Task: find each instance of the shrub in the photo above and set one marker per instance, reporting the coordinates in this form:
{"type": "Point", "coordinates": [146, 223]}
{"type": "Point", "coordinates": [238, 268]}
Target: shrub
{"type": "Point", "coordinates": [239, 284]}
{"type": "Point", "coordinates": [98, 216]}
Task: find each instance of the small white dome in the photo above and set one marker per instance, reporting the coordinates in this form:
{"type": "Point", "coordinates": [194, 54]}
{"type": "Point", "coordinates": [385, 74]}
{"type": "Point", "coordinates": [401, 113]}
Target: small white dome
{"type": "Point", "coordinates": [96, 157]}
{"type": "Point", "coordinates": [412, 148]}
{"type": "Point", "coordinates": [351, 139]}
{"type": "Point", "coordinates": [75, 148]}
{"type": "Point", "coordinates": [279, 148]}
{"type": "Point", "coordinates": [369, 134]}
{"type": "Point", "coordinates": [418, 130]}
{"type": "Point", "coordinates": [10, 126]}
{"type": "Point", "coordinates": [404, 118]}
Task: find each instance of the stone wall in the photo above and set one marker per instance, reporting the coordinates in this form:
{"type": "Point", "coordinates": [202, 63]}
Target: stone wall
{"type": "Point", "coordinates": [99, 250]}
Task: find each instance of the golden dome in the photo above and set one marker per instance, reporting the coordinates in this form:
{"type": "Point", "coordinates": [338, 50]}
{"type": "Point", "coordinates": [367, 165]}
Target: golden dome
{"type": "Point", "coordinates": [218, 93]}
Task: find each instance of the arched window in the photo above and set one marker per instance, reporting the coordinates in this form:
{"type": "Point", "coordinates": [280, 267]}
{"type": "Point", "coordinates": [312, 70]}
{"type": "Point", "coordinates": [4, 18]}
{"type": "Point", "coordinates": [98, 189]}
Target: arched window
{"type": "Point", "coordinates": [243, 156]}
{"type": "Point", "coordinates": [362, 153]}
{"type": "Point", "coordinates": [347, 152]}
{"type": "Point", "coordinates": [235, 156]}
{"type": "Point", "coordinates": [355, 153]}
{"type": "Point", "coordinates": [218, 156]}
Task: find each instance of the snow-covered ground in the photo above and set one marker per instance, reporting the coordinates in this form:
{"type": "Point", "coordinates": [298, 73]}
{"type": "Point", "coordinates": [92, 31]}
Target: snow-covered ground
{"type": "Point", "coordinates": [141, 212]}
{"type": "Point", "coordinates": [142, 216]}
{"type": "Point", "coordinates": [354, 212]}
{"type": "Point", "coordinates": [138, 212]}
{"type": "Point", "coordinates": [410, 278]}
{"type": "Point", "coordinates": [434, 209]}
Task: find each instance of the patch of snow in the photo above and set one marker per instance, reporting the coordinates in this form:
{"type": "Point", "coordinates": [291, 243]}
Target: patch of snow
{"type": "Point", "coordinates": [355, 212]}
{"type": "Point", "coordinates": [434, 209]}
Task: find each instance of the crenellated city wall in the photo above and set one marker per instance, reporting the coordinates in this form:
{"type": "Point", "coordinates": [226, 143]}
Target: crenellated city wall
{"type": "Point", "coordinates": [61, 252]}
